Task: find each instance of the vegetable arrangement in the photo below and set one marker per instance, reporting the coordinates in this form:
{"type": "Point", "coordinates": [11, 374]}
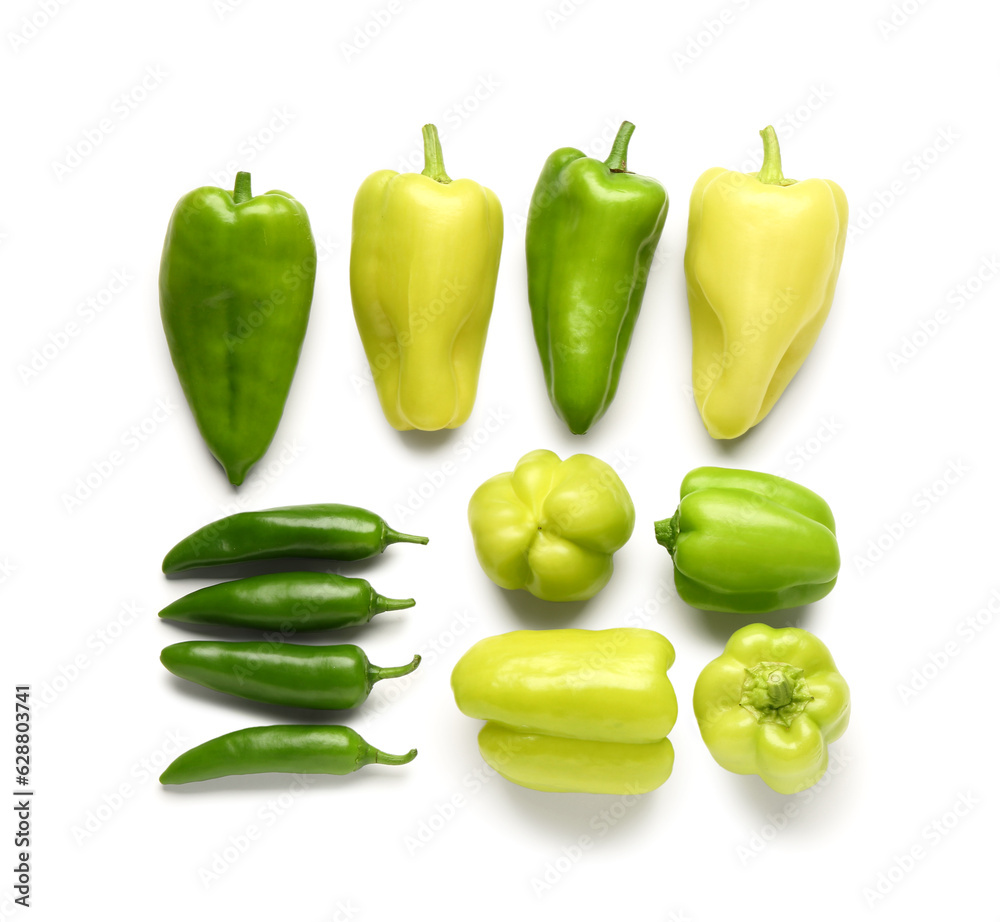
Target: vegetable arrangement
{"type": "Point", "coordinates": [565, 710]}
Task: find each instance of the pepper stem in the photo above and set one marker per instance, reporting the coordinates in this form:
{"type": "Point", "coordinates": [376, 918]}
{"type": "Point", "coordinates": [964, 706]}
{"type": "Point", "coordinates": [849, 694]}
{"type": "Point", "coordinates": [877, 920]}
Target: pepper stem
{"type": "Point", "coordinates": [384, 604]}
{"type": "Point", "coordinates": [779, 689]}
{"type": "Point", "coordinates": [397, 537]}
{"type": "Point", "coordinates": [241, 190]}
{"type": "Point", "coordinates": [666, 532]}
{"type": "Point", "coordinates": [433, 158]}
{"type": "Point", "coordinates": [770, 171]}
{"type": "Point", "coordinates": [384, 758]}
{"type": "Point", "coordinates": [377, 673]}
{"type": "Point", "coordinates": [619, 149]}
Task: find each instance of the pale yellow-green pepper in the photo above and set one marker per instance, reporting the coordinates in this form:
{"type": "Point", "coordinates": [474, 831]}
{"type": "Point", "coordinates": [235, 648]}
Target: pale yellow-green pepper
{"type": "Point", "coordinates": [425, 252]}
{"type": "Point", "coordinates": [762, 259]}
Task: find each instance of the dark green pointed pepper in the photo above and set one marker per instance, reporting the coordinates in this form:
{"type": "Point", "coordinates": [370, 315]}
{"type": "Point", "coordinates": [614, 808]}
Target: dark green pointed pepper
{"type": "Point", "coordinates": [742, 541]}
{"type": "Point", "coordinates": [591, 233]}
{"type": "Point", "coordinates": [236, 285]}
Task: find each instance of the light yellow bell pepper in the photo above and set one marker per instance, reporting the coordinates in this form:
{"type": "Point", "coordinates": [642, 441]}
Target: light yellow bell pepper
{"type": "Point", "coordinates": [425, 252]}
{"type": "Point", "coordinates": [762, 259]}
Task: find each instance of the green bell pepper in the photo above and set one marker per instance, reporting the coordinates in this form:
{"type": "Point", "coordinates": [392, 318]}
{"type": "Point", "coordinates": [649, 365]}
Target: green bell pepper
{"type": "Point", "coordinates": [591, 233]}
{"type": "Point", "coordinates": [743, 541]}
{"type": "Point", "coordinates": [551, 526]}
{"type": "Point", "coordinates": [770, 704]}
{"type": "Point", "coordinates": [236, 285]}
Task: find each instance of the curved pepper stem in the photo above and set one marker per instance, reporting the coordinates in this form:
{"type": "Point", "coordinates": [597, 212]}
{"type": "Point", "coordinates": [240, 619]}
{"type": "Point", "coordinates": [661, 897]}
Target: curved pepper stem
{"type": "Point", "coordinates": [241, 189]}
{"type": "Point", "coordinates": [619, 149]}
{"type": "Point", "coordinates": [384, 603]}
{"type": "Point", "coordinates": [433, 158]}
{"type": "Point", "coordinates": [384, 758]}
{"type": "Point", "coordinates": [376, 673]}
{"type": "Point", "coordinates": [770, 171]}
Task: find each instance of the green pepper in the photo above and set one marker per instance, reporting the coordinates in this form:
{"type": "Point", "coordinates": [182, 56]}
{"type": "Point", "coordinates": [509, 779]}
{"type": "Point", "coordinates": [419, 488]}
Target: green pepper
{"type": "Point", "coordinates": [572, 710]}
{"type": "Point", "coordinates": [592, 230]}
{"type": "Point", "coordinates": [325, 530]}
{"type": "Point", "coordinates": [236, 285]}
{"type": "Point", "coordinates": [274, 601]}
{"type": "Point", "coordinates": [551, 526]}
{"type": "Point", "coordinates": [743, 541]}
{"type": "Point", "coordinates": [770, 705]}
{"type": "Point", "coordinates": [334, 677]}
{"type": "Point", "coordinates": [302, 750]}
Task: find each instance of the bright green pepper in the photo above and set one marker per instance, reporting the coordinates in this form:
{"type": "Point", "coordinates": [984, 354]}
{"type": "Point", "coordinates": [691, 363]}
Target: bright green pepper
{"type": "Point", "coordinates": [302, 750]}
{"type": "Point", "coordinates": [770, 705]}
{"type": "Point", "coordinates": [572, 710]}
{"type": "Point", "coordinates": [592, 230]}
{"type": "Point", "coordinates": [551, 526]}
{"type": "Point", "coordinates": [742, 541]}
{"type": "Point", "coordinates": [335, 677]}
{"type": "Point", "coordinates": [284, 602]}
{"type": "Point", "coordinates": [236, 285]}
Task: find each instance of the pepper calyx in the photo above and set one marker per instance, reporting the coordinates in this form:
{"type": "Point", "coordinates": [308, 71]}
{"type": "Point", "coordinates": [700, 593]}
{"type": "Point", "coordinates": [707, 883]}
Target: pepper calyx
{"type": "Point", "coordinates": [775, 692]}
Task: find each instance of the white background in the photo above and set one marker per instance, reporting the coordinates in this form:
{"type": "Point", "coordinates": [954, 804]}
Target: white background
{"type": "Point", "coordinates": [852, 101]}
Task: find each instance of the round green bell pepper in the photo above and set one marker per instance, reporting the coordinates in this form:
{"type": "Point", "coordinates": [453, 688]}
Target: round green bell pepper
{"type": "Point", "coordinates": [551, 526]}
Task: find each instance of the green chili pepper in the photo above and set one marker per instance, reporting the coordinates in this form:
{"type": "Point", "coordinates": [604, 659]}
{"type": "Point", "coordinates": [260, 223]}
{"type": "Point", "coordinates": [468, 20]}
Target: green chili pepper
{"type": "Point", "coordinates": [334, 677]}
{"type": "Point", "coordinates": [326, 530]}
{"type": "Point", "coordinates": [304, 750]}
{"type": "Point", "coordinates": [236, 284]}
{"type": "Point", "coordinates": [276, 601]}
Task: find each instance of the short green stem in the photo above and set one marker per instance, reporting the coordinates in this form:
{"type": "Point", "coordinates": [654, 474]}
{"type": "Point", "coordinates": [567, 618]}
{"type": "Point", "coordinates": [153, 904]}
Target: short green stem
{"type": "Point", "coordinates": [616, 161]}
{"type": "Point", "coordinates": [779, 689]}
{"type": "Point", "coordinates": [433, 158]}
{"type": "Point", "coordinates": [667, 531]}
{"type": "Point", "coordinates": [397, 537]}
{"type": "Point", "coordinates": [770, 171]}
{"type": "Point", "coordinates": [384, 604]}
{"type": "Point", "coordinates": [384, 758]}
{"type": "Point", "coordinates": [241, 189]}
{"type": "Point", "coordinates": [377, 673]}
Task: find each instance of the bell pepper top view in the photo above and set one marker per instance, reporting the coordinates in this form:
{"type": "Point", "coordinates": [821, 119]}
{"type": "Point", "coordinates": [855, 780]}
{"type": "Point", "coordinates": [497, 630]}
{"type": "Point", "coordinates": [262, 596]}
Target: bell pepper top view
{"type": "Point", "coordinates": [762, 260]}
{"type": "Point", "coordinates": [425, 252]}
{"type": "Point", "coordinates": [591, 234]}
{"type": "Point", "coordinates": [236, 286]}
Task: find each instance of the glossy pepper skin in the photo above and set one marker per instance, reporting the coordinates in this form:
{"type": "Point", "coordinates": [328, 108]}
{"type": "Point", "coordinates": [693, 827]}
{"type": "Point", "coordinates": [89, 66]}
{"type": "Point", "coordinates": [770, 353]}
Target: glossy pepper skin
{"type": "Point", "coordinates": [743, 541]}
{"type": "Point", "coordinates": [303, 750]}
{"type": "Point", "coordinates": [762, 259]}
{"type": "Point", "coordinates": [284, 602]}
{"type": "Point", "coordinates": [325, 530]}
{"type": "Point", "coordinates": [425, 252]}
{"type": "Point", "coordinates": [334, 677]}
{"type": "Point", "coordinates": [572, 710]}
{"type": "Point", "coordinates": [551, 526]}
{"type": "Point", "coordinates": [770, 705]}
{"type": "Point", "coordinates": [236, 285]}
{"type": "Point", "coordinates": [591, 233]}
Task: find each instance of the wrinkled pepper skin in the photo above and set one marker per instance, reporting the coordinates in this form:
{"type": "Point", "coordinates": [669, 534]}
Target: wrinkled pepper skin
{"type": "Point", "coordinates": [762, 260]}
{"type": "Point", "coordinates": [425, 252]}
{"type": "Point", "coordinates": [572, 710]}
{"type": "Point", "coordinates": [302, 750]}
{"type": "Point", "coordinates": [551, 526]}
{"type": "Point", "coordinates": [330, 531]}
{"type": "Point", "coordinates": [333, 677]}
{"type": "Point", "coordinates": [771, 704]}
{"type": "Point", "coordinates": [743, 541]}
{"type": "Point", "coordinates": [591, 234]}
{"type": "Point", "coordinates": [236, 285]}
{"type": "Point", "coordinates": [287, 602]}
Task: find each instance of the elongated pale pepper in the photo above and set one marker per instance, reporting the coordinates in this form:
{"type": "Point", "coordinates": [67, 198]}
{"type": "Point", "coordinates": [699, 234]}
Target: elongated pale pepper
{"type": "Point", "coordinates": [591, 234]}
{"type": "Point", "coordinates": [425, 252]}
{"type": "Point", "coordinates": [762, 260]}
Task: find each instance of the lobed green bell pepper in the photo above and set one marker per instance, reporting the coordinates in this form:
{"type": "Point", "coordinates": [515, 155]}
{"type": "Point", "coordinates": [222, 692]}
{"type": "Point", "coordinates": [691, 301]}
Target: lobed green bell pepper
{"type": "Point", "coordinates": [743, 541]}
{"type": "Point", "coordinates": [770, 705]}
